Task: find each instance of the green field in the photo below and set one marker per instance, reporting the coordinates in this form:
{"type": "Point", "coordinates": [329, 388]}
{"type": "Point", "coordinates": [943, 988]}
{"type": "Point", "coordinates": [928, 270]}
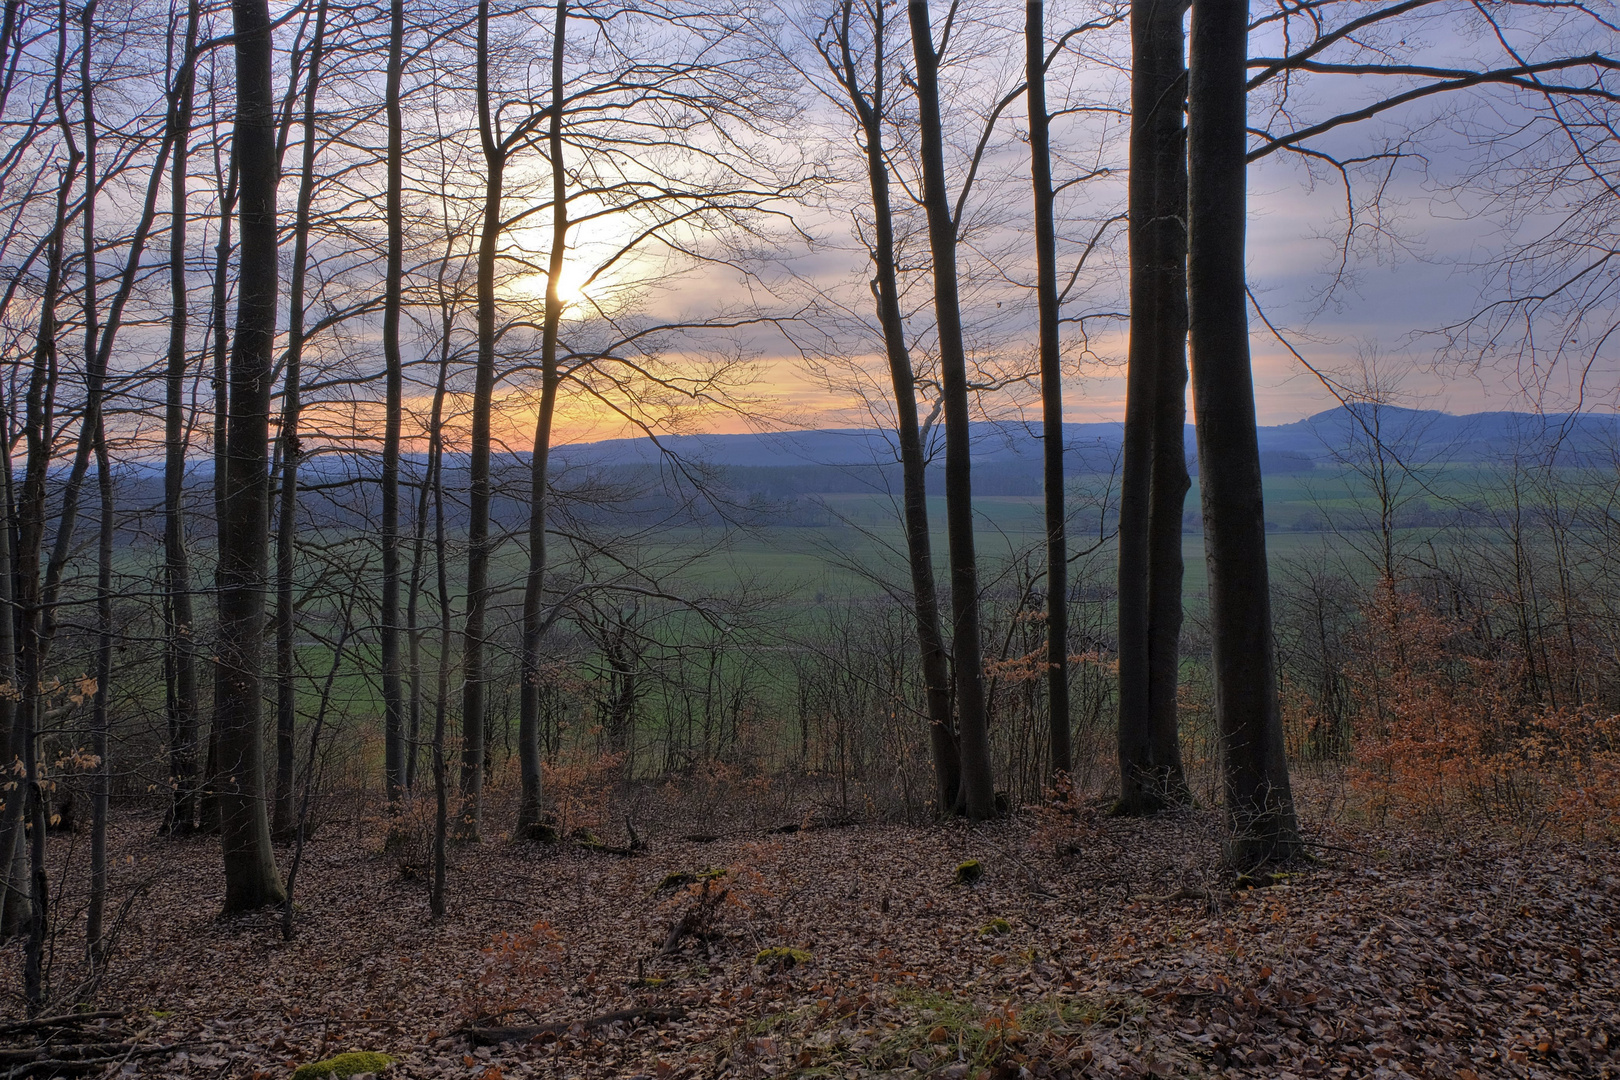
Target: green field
{"type": "Point", "coordinates": [1308, 513]}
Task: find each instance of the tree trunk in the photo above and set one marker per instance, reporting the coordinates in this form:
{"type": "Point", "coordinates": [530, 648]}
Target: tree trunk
{"type": "Point", "coordinates": [283, 823]}
{"type": "Point", "coordinates": [208, 806]}
{"type": "Point", "coordinates": [13, 866]}
{"type": "Point", "coordinates": [530, 807]}
{"type": "Point", "coordinates": [478, 539]}
{"type": "Point", "coordinates": [99, 720]}
{"type": "Point", "coordinates": [870, 112]}
{"type": "Point", "coordinates": [1155, 479]}
{"type": "Point", "coordinates": [394, 769]}
{"type": "Point", "coordinates": [97, 431]}
{"type": "Point", "coordinates": [251, 879]}
{"type": "Point", "coordinates": [441, 694]}
{"type": "Point", "coordinates": [38, 420]}
{"type": "Point", "coordinates": [978, 786]}
{"type": "Point", "coordinates": [1259, 805]}
{"type": "Point", "coordinates": [180, 653]}
{"type": "Point", "coordinates": [1046, 291]}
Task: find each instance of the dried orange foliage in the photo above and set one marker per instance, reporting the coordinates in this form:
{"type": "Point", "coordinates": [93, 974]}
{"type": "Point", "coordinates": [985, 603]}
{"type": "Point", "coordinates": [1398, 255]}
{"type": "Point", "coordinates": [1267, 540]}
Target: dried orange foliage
{"type": "Point", "coordinates": [1454, 722]}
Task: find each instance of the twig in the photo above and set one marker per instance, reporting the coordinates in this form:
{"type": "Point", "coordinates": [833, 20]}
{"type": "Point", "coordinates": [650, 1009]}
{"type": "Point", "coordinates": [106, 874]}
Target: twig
{"type": "Point", "coordinates": [65, 1020]}
{"type": "Point", "coordinates": [1186, 892]}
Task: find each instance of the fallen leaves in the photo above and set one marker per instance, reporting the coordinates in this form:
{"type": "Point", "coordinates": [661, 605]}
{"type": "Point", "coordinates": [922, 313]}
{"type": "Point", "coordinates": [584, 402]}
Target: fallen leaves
{"type": "Point", "coordinates": [1494, 961]}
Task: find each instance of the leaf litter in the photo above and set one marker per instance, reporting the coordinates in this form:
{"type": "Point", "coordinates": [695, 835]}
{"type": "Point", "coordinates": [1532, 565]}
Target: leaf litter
{"type": "Point", "coordinates": [1111, 948]}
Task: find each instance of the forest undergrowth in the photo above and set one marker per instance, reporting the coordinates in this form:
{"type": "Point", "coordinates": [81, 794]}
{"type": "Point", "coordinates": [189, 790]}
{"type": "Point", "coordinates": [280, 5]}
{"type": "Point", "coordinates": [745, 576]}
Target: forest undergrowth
{"type": "Point", "coordinates": [1062, 943]}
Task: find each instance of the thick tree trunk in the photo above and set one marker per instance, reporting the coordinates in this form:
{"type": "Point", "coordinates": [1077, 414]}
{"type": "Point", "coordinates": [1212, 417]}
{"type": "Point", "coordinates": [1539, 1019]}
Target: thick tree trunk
{"type": "Point", "coordinates": [478, 538]}
{"type": "Point", "coordinates": [1155, 480]}
{"type": "Point", "coordinates": [1046, 292]}
{"type": "Point", "coordinates": [394, 769]}
{"type": "Point", "coordinates": [870, 112]}
{"type": "Point", "coordinates": [530, 807]}
{"type": "Point", "coordinates": [1259, 805]}
{"type": "Point", "coordinates": [292, 403]}
{"type": "Point", "coordinates": [180, 651]}
{"type": "Point", "coordinates": [251, 879]}
{"type": "Point", "coordinates": [978, 785]}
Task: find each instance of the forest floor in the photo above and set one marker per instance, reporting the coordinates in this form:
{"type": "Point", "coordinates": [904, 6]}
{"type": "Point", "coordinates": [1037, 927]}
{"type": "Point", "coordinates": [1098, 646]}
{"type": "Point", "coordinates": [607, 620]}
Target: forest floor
{"type": "Point", "coordinates": [1088, 947]}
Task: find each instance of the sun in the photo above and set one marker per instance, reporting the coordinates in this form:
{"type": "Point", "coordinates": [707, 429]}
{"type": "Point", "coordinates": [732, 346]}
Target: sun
{"type": "Point", "coordinates": [570, 289]}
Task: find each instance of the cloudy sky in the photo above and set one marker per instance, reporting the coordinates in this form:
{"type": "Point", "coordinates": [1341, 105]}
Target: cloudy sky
{"type": "Point", "coordinates": [1431, 257]}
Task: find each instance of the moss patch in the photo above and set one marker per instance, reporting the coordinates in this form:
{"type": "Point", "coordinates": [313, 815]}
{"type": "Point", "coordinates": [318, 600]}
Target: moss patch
{"type": "Point", "coordinates": [995, 928]}
{"type": "Point", "coordinates": [969, 872]}
{"type": "Point", "coordinates": [344, 1066]}
{"type": "Point", "coordinates": [682, 878]}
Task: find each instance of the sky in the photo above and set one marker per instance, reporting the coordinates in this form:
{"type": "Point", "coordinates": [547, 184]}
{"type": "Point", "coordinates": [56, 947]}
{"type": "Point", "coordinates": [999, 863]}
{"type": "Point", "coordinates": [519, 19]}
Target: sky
{"type": "Point", "coordinates": [1431, 261]}
{"type": "Point", "coordinates": [1425, 253]}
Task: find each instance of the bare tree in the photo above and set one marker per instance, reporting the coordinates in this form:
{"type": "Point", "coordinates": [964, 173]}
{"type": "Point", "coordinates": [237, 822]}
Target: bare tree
{"type": "Point", "coordinates": [251, 879]}
{"type": "Point", "coordinates": [1154, 483]}
{"type": "Point", "coordinates": [869, 98]}
{"type": "Point", "coordinates": [978, 785]}
{"type": "Point", "coordinates": [1259, 802]}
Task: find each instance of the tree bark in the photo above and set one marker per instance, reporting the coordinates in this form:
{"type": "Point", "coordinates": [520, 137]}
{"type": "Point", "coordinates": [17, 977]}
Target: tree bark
{"type": "Point", "coordinates": [251, 879]}
{"type": "Point", "coordinates": [870, 112]}
{"type": "Point", "coordinates": [478, 538]}
{"type": "Point", "coordinates": [1155, 481]}
{"type": "Point", "coordinates": [38, 421]}
{"type": "Point", "coordinates": [441, 694]}
{"type": "Point", "coordinates": [230, 192]}
{"type": "Point", "coordinates": [530, 808]}
{"type": "Point", "coordinates": [1046, 292]}
{"type": "Point", "coordinates": [1259, 804]}
{"type": "Point", "coordinates": [394, 769]}
{"type": "Point", "coordinates": [978, 785]}
{"type": "Point", "coordinates": [282, 823]}
{"type": "Point", "coordinates": [95, 377]}
{"type": "Point", "coordinates": [180, 653]}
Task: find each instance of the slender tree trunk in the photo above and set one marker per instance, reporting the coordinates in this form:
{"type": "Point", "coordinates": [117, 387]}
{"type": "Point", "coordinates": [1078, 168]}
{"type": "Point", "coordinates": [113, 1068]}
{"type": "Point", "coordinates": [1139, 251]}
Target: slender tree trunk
{"type": "Point", "coordinates": [394, 769]}
{"type": "Point", "coordinates": [94, 389]}
{"type": "Point", "coordinates": [14, 892]}
{"type": "Point", "coordinates": [1155, 479]}
{"type": "Point", "coordinates": [530, 808]}
{"type": "Point", "coordinates": [414, 631]}
{"type": "Point", "coordinates": [1046, 292]}
{"type": "Point", "coordinates": [99, 720]}
{"type": "Point", "coordinates": [209, 806]}
{"type": "Point", "coordinates": [292, 404]}
{"type": "Point", "coordinates": [38, 420]}
{"type": "Point", "coordinates": [869, 111]}
{"type": "Point", "coordinates": [478, 538]}
{"type": "Point", "coordinates": [1259, 804]}
{"type": "Point", "coordinates": [441, 695]}
{"type": "Point", "coordinates": [180, 659]}
{"type": "Point", "coordinates": [978, 785]}
{"type": "Point", "coordinates": [13, 870]}
{"type": "Point", "coordinates": [251, 879]}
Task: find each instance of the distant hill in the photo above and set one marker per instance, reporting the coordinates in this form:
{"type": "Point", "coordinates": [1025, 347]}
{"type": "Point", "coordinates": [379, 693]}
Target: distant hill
{"type": "Point", "coordinates": [1294, 447]}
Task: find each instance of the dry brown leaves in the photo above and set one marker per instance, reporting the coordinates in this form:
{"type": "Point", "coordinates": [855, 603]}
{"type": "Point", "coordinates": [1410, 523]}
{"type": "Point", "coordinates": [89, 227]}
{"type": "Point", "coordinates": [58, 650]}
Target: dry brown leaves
{"type": "Point", "coordinates": [1398, 956]}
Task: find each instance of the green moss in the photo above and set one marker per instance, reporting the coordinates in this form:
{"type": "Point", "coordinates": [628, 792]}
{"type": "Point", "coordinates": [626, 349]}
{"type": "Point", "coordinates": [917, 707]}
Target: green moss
{"type": "Point", "coordinates": [782, 957]}
{"type": "Point", "coordinates": [995, 928]}
{"type": "Point", "coordinates": [688, 877]}
{"type": "Point", "coordinates": [969, 872]}
{"type": "Point", "coordinates": [344, 1066]}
